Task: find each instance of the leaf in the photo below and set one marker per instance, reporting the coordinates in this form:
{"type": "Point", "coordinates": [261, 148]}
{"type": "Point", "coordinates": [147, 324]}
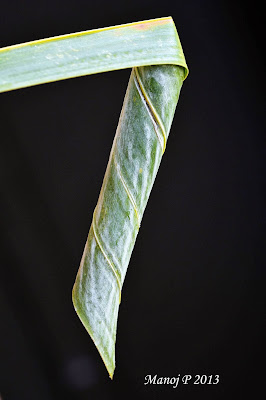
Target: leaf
{"type": "Point", "coordinates": [154, 51]}
{"type": "Point", "coordinates": [149, 42]}
{"type": "Point", "coordinates": [134, 160]}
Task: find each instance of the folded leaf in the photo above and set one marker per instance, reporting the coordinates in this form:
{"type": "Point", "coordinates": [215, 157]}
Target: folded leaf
{"type": "Point", "coordinates": [154, 51]}
{"type": "Point", "coordinates": [137, 150]}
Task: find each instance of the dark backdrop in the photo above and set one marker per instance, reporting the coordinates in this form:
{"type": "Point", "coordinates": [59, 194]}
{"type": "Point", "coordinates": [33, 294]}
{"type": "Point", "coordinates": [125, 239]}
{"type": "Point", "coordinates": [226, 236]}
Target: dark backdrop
{"type": "Point", "coordinates": [193, 299]}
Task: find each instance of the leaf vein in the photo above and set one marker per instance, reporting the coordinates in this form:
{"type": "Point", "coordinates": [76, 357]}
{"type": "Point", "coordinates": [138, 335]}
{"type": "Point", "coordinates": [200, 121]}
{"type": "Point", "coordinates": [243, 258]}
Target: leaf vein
{"type": "Point", "coordinates": [131, 198]}
{"type": "Point", "coordinates": [105, 255]}
{"type": "Point", "coordinates": [157, 122]}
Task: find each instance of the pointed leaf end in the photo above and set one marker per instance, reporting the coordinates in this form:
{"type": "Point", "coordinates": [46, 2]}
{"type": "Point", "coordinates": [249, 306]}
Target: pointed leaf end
{"type": "Point", "coordinates": [107, 357]}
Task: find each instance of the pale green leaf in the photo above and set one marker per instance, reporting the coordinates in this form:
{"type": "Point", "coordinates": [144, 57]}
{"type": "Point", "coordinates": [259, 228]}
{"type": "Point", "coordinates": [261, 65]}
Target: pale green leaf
{"type": "Point", "coordinates": [125, 46]}
{"type": "Point", "coordinates": [154, 51]}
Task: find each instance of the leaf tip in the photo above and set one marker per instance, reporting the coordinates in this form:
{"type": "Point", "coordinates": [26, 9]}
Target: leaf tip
{"type": "Point", "coordinates": [107, 355]}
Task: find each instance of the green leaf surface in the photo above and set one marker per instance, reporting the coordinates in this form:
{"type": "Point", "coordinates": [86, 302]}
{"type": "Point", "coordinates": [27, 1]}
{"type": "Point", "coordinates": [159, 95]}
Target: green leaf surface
{"type": "Point", "coordinates": [137, 150]}
{"type": "Point", "coordinates": [154, 51]}
{"type": "Point", "coordinates": [149, 42]}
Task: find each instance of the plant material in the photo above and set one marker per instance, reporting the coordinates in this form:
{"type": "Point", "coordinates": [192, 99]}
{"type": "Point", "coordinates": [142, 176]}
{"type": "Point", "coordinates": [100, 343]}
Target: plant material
{"type": "Point", "coordinates": [154, 51]}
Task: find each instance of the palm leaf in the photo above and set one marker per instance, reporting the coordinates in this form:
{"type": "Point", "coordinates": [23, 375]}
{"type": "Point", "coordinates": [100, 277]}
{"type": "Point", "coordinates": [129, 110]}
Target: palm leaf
{"type": "Point", "coordinates": [152, 48]}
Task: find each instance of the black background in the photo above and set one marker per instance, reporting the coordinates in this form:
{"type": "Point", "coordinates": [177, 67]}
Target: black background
{"type": "Point", "coordinates": [194, 297]}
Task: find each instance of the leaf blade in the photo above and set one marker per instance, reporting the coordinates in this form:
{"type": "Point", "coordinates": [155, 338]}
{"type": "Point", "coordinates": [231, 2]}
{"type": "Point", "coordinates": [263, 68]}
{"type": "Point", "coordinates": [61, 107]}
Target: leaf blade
{"type": "Point", "coordinates": [137, 150]}
{"type": "Point", "coordinates": [133, 164]}
{"type": "Point", "coordinates": [149, 42]}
